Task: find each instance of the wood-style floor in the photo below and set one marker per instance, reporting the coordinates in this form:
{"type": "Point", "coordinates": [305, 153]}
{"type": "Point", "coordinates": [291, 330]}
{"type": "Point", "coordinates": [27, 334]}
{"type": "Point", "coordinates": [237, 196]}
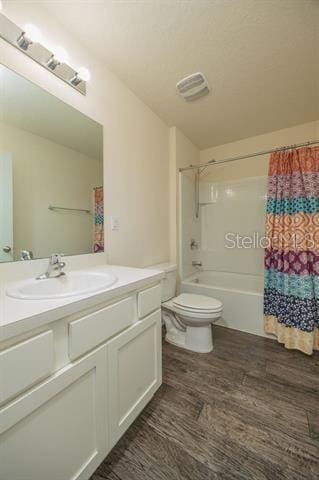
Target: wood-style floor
{"type": "Point", "coordinates": [249, 410]}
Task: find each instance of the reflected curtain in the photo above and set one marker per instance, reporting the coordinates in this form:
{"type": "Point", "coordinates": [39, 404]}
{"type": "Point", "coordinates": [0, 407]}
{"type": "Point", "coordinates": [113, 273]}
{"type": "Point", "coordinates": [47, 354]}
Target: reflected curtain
{"type": "Point", "coordinates": [98, 199]}
{"type": "Point", "coordinates": [291, 295]}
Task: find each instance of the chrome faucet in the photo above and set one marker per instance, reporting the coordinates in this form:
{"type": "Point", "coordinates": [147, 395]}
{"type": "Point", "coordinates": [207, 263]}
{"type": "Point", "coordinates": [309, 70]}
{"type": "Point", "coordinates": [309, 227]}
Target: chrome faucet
{"type": "Point", "coordinates": [196, 263]}
{"type": "Point", "coordinates": [55, 267]}
{"type": "Point", "coordinates": [26, 255]}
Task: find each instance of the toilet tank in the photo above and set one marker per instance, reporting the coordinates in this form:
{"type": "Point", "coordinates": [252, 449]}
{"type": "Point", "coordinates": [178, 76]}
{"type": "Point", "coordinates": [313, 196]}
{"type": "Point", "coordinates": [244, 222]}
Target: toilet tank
{"type": "Point", "coordinates": [169, 281]}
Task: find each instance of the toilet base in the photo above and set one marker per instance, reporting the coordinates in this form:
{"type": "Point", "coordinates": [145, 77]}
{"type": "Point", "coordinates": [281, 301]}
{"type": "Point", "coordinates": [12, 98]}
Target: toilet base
{"type": "Point", "coordinates": [196, 339]}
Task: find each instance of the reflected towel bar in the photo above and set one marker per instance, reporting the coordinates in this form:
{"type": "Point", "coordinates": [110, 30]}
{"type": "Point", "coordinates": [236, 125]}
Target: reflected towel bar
{"type": "Point", "coordinates": [52, 207]}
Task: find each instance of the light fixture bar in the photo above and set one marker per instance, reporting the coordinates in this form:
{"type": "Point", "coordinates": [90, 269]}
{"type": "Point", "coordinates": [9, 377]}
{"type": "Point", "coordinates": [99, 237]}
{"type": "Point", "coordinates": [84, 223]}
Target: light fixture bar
{"type": "Point", "coordinates": [14, 35]}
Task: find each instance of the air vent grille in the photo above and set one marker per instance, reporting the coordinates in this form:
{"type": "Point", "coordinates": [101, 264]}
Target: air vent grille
{"type": "Point", "coordinates": [193, 87]}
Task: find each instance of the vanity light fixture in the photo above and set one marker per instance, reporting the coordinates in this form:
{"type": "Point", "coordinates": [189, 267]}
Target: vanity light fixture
{"type": "Point", "coordinates": [29, 41]}
{"type": "Point", "coordinates": [82, 75]}
{"type": "Point", "coordinates": [59, 56]}
{"type": "Point", "coordinates": [31, 34]}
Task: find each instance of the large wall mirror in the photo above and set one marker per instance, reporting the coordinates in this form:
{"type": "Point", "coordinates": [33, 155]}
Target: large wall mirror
{"type": "Point", "coordinates": [51, 174]}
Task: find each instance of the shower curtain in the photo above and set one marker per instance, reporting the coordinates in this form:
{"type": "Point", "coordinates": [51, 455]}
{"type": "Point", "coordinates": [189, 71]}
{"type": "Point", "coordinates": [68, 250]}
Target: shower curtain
{"type": "Point", "coordinates": [291, 295]}
{"type": "Point", "coordinates": [98, 242]}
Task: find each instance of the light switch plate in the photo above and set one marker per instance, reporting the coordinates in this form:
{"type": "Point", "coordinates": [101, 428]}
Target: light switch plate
{"type": "Point", "coordinates": [115, 224]}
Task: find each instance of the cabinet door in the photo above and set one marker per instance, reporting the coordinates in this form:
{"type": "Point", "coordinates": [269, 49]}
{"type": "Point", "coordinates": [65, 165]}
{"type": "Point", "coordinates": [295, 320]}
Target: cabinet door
{"type": "Point", "coordinates": [135, 372]}
{"type": "Point", "coordinates": [58, 430]}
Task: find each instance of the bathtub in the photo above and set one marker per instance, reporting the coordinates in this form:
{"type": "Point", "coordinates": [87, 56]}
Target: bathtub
{"type": "Point", "coordinates": [241, 295]}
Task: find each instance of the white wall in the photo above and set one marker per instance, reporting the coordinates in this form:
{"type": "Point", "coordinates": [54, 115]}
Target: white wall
{"type": "Point", "coordinates": [46, 173]}
{"type": "Point", "coordinates": [136, 142]}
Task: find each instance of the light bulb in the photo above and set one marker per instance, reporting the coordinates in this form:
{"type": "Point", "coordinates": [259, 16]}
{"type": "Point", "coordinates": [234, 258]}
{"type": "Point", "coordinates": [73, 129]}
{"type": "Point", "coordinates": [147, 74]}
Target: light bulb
{"type": "Point", "coordinates": [32, 33]}
{"type": "Point", "coordinates": [60, 54]}
{"type": "Point", "coordinates": [84, 74]}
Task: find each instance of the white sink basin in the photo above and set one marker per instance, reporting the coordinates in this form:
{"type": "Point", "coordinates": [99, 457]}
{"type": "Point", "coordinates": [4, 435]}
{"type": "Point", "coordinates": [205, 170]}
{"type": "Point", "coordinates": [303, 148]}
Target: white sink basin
{"type": "Point", "coordinates": [69, 285]}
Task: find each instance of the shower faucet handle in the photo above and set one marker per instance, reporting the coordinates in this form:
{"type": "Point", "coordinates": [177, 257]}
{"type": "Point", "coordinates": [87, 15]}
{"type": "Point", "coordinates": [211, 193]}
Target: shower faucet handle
{"type": "Point", "coordinates": [194, 244]}
{"type": "Point", "coordinates": [197, 263]}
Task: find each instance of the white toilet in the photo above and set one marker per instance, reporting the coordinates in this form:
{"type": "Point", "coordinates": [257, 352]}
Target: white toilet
{"type": "Point", "coordinates": [188, 317]}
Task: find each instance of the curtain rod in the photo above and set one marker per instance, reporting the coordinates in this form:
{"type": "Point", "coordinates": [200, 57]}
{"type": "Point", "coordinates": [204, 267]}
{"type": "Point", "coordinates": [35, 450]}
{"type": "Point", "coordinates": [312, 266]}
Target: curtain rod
{"type": "Point", "coordinates": [242, 157]}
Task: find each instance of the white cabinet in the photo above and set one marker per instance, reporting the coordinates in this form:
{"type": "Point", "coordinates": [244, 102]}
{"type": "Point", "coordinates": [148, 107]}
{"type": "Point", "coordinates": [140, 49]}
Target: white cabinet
{"type": "Point", "coordinates": [135, 372]}
{"type": "Point", "coordinates": [24, 364]}
{"type": "Point", "coordinates": [149, 300]}
{"type": "Point", "coordinates": [59, 429]}
{"type": "Point", "coordinates": [61, 426]}
{"type": "Point", "coordinates": [93, 329]}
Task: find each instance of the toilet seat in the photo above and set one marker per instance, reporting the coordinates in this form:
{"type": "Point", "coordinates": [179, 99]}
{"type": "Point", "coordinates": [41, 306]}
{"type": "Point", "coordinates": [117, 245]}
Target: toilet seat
{"type": "Point", "coordinates": [194, 303]}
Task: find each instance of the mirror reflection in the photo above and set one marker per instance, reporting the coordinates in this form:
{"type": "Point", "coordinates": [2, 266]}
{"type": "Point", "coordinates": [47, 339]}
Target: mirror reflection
{"type": "Point", "coordinates": [51, 174]}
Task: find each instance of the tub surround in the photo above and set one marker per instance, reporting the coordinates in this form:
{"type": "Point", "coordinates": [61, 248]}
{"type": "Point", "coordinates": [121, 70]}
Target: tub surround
{"type": "Point", "coordinates": [75, 373]}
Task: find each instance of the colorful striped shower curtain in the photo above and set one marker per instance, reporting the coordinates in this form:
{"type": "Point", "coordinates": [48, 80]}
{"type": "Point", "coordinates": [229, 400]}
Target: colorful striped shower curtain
{"type": "Point", "coordinates": [98, 242]}
{"type": "Point", "coordinates": [291, 296]}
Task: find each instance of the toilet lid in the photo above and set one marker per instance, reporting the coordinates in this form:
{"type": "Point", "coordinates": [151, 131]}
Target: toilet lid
{"type": "Point", "coordinates": [194, 302]}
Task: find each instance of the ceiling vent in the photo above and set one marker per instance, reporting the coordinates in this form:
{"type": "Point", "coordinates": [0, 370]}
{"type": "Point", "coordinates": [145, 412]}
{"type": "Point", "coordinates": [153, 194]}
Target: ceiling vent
{"type": "Point", "coordinates": [193, 87]}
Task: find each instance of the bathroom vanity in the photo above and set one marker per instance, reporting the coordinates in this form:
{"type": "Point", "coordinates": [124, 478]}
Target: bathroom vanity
{"type": "Point", "coordinates": [80, 354]}
{"type": "Point", "coordinates": [74, 374]}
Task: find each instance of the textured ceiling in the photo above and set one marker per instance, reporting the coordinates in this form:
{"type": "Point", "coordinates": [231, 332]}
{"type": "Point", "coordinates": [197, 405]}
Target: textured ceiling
{"type": "Point", "coordinates": [260, 58]}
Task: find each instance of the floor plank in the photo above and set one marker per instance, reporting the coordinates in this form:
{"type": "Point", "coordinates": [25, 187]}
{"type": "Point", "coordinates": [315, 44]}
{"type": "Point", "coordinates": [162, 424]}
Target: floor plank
{"type": "Point", "coordinates": [294, 376]}
{"type": "Point", "coordinates": [313, 421]}
{"type": "Point", "coordinates": [145, 454]}
{"type": "Point", "coordinates": [248, 410]}
{"type": "Point", "coordinates": [274, 388]}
